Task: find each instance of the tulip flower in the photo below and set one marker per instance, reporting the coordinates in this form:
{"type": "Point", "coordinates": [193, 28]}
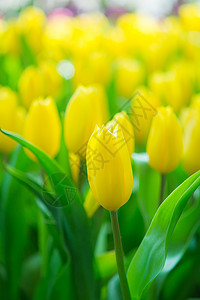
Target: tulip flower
{"type": "Point", "coordinates": [42, 127]}
{"type": "Point", "coordinates": [8, 107]}
{"type": "Point", "coordinates": [31, 21]}
{"type": "Point", "coordinates": [143, 108]}
{"type": "Point", "coordinates": [190, 16]}
{"type": "Point", "coordinates": [111, 181]}
{"type": "Point", "coordinates": [109, 168]}
{"type": "Point", "coordinates": [90, 204]}
{"type": "Point", "coordinates": [74, 161]}
{"type": "Point", "coordinates": [175, 86]}
{"type": "Point", "coordinates": [51, 79]}
{"type": "Point", "coordinates": [123, 121]}
{"type": "Point", "coordinates": [82, 114]}
{"type": "Point", "coordinates": [129, 74]}
{"type": "Point", "coordinates": [94, 67]}
{"type": "Point", "coordinates": [191, 142]}
{"type": "Point", "coordinates": [30, 85]}
{"type": "Point", "coordinates": [165, 142]}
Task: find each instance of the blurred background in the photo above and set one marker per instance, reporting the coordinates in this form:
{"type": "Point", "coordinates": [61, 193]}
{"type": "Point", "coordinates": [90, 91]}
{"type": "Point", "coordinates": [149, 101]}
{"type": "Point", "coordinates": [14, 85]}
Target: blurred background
{"type": "Point", "coordinates": [158, 8]}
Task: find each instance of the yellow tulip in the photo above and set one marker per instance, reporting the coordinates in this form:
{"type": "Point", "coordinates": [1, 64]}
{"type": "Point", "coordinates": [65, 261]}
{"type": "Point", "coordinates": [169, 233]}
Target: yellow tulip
{"type": "Point", "coordinates": [90, 204]}
{"type": "Point", "coordinates": [11, 38]}
{"type": "Point", "coordinates": [51, 79]}
{"type": "Point", "coordinates": [123, 121]}
{"type": "Point", "coordinates": [30, 85]}
{"type": "Point", "coordinates": [143, 108]}
{"type": "Point", "coordinates": [102, 103]}
{"type": "Point", "coordinates": [74, 161]}
{"type": "Point", "coordinates": [165, 142]}
{"type": "Point", "coordinates": [20, 119]}
{"type": "Point", "coordinates": [191, 142]}
{"type": "Point", "coordinates": [129, 74]}
{"type": "Point", "coordinates": [42, 127]}
{"type": "Point", "coordinates": [8, 106]}
{"type": "Point", "coordinates": [94, 67]}
{"type": "Point", "coordinates": [31, 21]}
{"type": "Point", "coordinates": [190, 16]}
{"type": "Point", "coordinates": [82, 114]}
{"type": "Point", "coordinates": [175, 86]}
{"type": "Point", "coordinates": [109, 168]}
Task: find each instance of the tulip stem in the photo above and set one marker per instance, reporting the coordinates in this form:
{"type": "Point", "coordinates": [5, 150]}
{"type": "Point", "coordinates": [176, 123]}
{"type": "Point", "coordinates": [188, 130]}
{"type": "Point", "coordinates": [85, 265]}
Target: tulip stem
{"type": "Point", "coordinates": [119, 256]}
{"type": "Point", "coordinates": [162, 188]}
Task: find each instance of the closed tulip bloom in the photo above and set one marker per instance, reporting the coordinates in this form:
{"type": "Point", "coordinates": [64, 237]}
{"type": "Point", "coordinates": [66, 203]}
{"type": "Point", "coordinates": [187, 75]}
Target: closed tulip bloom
{"type": "Point", "coordinates": [31, 21]}
{"type": "Point", "coordinates": [51, 79]}
{"type": "Point", "coordinates": [82, 114]}
{"type": "Point", "coordinates": [123, 121]}
{"type": "Point", "coordinates": [109, 168]}
{"type": "Point", "coordinates": [74, 161]}
{"type": "Point", "coordinates": [8, 106]}
{"type": "Point", "coordinates": [42, 127]}
{"type": "Point", "coordinates": [190, 16]}
{"type": "Point", "coordinates": [30, 85]}
{"type": "Point", "coordinates": [143, 108]}
{"type": "Point", "coordinates": [129, 74]}
{"type": "Point", "coordinates": [191, 142]}
{"type": "Point", "coordinates": [165, 142]}
{"type": "Point", "coordinates": [20, 119]}
{"type": "Point", "coordinates": [90, 204]}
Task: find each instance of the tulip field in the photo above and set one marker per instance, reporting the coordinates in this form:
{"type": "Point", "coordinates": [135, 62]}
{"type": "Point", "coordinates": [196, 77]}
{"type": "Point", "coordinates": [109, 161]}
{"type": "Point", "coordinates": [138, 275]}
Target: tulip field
{"type": "Point", "coordinates": [100, 155]}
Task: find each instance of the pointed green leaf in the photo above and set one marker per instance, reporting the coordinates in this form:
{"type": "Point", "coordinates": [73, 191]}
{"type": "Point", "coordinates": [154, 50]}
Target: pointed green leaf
{"type": "Point", "coordinates": [150, 257]}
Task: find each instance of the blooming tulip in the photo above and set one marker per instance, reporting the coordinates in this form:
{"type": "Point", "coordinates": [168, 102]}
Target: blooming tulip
{"type": "Point", "coordinates": [165, 142]}
{"type": "Point", "coordinates": [42, 126]}
{"type": "Point", "coordinates": [109, 168]}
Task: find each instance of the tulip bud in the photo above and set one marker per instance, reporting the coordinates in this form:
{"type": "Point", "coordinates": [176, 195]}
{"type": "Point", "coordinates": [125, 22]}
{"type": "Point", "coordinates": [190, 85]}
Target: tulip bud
{"type": "Point", "coordinates": [109, 168]}
{"type": "Point", "coordinates": [191, 142]}
{"type": "Point", "coordinates": [8, 106]}
{"type": "Point", "coordinates": [20, 119]}
{"type": "Point", "coordinates": [129, 74]}
{"type": "Point", "coordinates": [31, 21]}
{"type": "Point", "coordinates": [51, 79]}
{"type": "Point", "coordinates": [123, 121]}
{"type": "Point", "coordinates": [30, 85]}
{"type": "Point", "coordinates": [90, 204]}
{"type": "Point", "coordinates": [143, 108]}
{"type": "Point", "coordinates": [175, 86]}
{"type": "Point", "coordinates": [165, 142]}
{"type": "Point", "coordinates": [74, 161]}
{"type": "Point", "coordinates": [92, 68]}
{"type": "Point", "coordinates": [42, 127]}
{"type": "Point", "coordinates": [82, 114]}
{"type": "Point", "coordinates": [190, 16]}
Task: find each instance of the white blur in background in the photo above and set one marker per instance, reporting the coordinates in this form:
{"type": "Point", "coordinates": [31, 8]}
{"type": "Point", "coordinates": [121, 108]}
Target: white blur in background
{"type": "Point", "coordinates": [157, 8]}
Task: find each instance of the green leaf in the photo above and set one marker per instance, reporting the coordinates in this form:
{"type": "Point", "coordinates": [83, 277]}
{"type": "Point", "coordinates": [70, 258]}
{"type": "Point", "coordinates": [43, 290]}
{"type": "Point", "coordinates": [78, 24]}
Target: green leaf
{"type": "Point", "coordinates": [73, 219]}
{"type": "Point", "coordinates": [150, 257]}
{"type": "Point", "coordinates": [106, 265]}
{"type": "Point", "coordinates": [147, 183]}
{"type": "Point", "coordinates": [14, 225]}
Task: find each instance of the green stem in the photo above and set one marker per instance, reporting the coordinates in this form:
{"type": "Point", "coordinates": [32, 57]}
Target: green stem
{"type": "Point", "coordinates": [119, 256]}
{"type": "Point", "coordinates": [162, 188]}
